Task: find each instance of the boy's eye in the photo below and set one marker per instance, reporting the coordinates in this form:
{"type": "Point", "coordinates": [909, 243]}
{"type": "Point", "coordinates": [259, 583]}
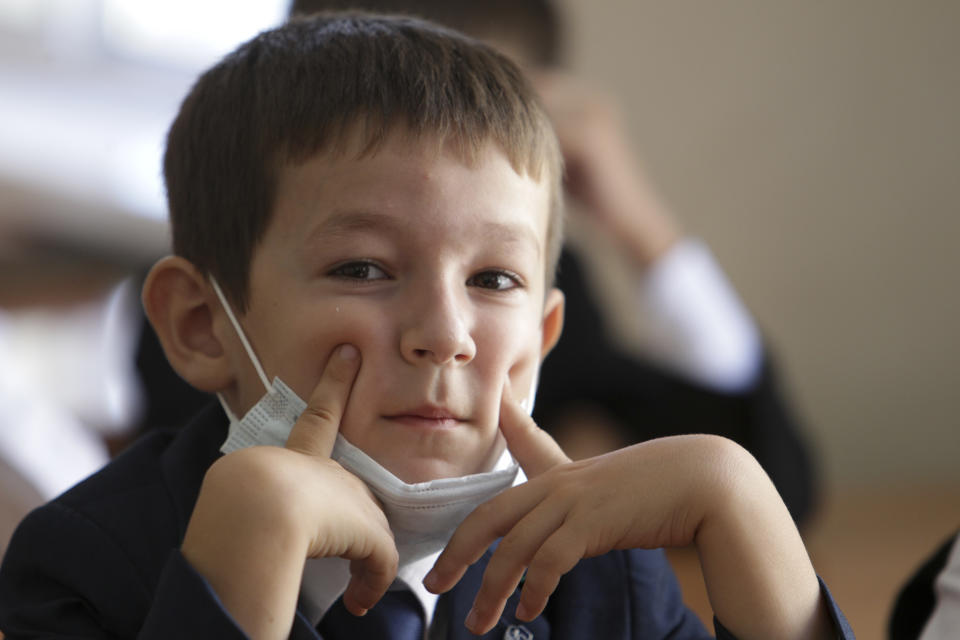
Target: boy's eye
{"type": "Point", "coordinates": [360, 270]}
{"type": "Point", "coordinates": [497, 280]}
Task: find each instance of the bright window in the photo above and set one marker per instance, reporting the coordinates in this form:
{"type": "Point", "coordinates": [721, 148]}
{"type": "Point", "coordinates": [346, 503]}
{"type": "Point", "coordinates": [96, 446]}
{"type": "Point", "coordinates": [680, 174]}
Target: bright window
{"type": "Point", "coordinates": [88, 89]}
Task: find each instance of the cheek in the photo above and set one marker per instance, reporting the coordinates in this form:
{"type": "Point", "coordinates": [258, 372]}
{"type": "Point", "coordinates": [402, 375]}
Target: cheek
{"type": "Point", "coordinates": [321, 332]}
{"type": "Point", "coordinates": [516, 357]}
{"type": "Point", "coordinates": [523, 377]}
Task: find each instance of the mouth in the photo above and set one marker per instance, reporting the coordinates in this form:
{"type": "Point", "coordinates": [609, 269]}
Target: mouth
{"type": "Point", "coordinates": [426, 417]}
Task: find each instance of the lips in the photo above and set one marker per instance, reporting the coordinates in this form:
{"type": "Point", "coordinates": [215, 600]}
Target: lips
{"type": "Point", "coordinates": [426, 416]}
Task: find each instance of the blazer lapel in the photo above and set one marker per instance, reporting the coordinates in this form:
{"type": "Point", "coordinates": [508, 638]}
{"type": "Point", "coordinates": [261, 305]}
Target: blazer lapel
{"type": "Point", "coordinates": [186, 460]}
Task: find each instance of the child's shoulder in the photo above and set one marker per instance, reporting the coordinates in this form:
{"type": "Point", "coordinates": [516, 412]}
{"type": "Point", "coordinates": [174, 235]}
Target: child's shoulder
{"type": "Point", "coordinates": [138, 503]}
{"type": "Point", "coordinates": [102, 546]}
{"type": "Point", "coordinates": [170, 460]}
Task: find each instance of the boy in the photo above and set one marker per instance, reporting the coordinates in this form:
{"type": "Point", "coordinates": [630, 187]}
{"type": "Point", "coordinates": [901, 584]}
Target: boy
{"type": "Point", "coordinates": [366, 214]}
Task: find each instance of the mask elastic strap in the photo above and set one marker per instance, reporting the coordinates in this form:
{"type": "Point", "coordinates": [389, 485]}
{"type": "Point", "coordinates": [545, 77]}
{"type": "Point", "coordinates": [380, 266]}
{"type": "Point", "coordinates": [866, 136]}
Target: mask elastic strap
{"type": "Point", "coordinates": [243, 337]}
{"type": "Point", "coordinates": [527, 403]}
{"type": "Point", "coordinates": [226, 408]}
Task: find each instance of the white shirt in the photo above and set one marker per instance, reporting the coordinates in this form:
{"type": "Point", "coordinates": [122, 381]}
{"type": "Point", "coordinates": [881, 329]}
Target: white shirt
{"type": "Point", "coordinates": [325, 579]}
{"type": "Point", "coordinates": [694, 322]}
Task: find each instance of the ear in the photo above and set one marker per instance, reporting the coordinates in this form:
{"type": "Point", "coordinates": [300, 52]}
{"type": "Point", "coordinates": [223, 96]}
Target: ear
{"type": "Point", "coordinates": [182, 309]}
{"type": "Point", "coordinates": [552, 321]}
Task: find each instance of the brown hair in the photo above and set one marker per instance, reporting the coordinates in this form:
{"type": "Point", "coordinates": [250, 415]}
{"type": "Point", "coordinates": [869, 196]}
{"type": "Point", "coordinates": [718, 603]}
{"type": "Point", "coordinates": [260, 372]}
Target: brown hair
{"type": "Point", "coordinates": [532, 26]}
{"type": "Point", "coordinates": [298, 90]}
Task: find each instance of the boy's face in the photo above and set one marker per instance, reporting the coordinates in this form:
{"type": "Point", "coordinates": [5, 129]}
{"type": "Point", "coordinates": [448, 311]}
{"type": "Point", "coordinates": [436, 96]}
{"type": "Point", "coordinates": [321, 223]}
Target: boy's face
{"type": "Point", "coordinates": [433, 269]}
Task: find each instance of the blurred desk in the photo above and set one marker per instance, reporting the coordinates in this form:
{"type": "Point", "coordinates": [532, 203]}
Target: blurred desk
{"type": "Point", "coordinates": [865, 543]}
{"type": "Point", "coordinates": [49, 280]}
{"type": "Point", "coordinates": [58, 250]}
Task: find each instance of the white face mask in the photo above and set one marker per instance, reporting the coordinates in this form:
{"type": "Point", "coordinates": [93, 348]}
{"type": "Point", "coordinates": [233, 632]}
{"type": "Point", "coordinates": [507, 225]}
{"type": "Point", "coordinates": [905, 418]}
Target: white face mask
{"type": "Point", "coordinates": [422, 516]}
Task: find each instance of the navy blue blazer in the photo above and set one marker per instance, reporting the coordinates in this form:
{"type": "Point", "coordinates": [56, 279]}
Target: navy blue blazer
{"type": "Point", "coordinates": [103, 561]}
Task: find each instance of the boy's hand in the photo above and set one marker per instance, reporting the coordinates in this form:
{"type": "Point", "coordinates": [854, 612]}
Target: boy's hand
{"type": "Point", "coordinates": [358, 529]}
{"type": "Point", "coordinates": [567, 511]}
{"type": "Point", "coordinates": [666, 492]}
{"type": "Point", "coordinates": [263, 510]}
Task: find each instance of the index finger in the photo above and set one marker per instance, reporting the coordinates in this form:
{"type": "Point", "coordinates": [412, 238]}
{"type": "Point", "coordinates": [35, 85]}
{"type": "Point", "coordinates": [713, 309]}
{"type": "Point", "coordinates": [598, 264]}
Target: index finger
{"type": "Point", "coordinates": [534, 448]}
{"type": "Point", "coordinates": [315, 431]}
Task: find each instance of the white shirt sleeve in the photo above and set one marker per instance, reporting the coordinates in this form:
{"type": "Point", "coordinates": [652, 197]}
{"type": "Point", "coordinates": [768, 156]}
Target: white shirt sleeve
{"type": "Point", "coordinates": [694, 323]}
{"type": "Point", "coordinates": [944, 623]}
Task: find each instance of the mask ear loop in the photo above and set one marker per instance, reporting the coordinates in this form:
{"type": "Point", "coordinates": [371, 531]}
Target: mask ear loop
{"type": "Point", "coordinates": [246, 345]}
{"type": "Point", "coordinates": [527, 403]}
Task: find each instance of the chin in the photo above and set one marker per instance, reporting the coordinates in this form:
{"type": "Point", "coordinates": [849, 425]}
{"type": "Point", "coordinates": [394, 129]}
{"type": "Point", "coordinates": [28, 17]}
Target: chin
{"type": "Point", "coordinates": [425, 459]}
{"type": "Point", "coordinates": [413, 471]}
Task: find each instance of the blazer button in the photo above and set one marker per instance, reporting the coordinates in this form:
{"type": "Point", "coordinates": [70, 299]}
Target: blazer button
{"type": "Point", "coordinates": [517, 632]}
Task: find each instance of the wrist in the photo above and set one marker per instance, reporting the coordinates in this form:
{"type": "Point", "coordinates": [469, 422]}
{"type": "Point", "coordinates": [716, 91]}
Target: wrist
{"type": "Point", "coordinates": [646, 244]}
{"type": "Point", "coordinates": [640, 223]}
{"type": "Point", "coordinates": [247, 544]}
{"type": "Point", "coordinates": [759, 579]}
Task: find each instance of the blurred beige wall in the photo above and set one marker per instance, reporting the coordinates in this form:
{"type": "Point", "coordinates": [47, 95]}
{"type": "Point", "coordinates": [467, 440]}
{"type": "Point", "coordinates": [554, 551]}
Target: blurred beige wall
{"type": "Point", "coordinates": [816, 147]}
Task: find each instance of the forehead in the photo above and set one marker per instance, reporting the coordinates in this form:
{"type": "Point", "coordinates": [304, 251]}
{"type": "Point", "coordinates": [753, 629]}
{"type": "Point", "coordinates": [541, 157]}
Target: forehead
{"type": "Point", "coordinates": [412, 183]}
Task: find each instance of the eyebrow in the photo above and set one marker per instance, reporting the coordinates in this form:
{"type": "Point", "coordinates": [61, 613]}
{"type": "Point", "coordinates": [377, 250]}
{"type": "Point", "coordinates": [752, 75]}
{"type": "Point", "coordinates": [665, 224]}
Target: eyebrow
{"type": "Point", "coordinates": [347, 222]}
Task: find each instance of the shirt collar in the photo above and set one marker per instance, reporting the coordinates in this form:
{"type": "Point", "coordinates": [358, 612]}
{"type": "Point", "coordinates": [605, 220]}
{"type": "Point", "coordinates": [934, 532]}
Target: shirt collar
{"type": "Point", "coordinates": [325, 579]}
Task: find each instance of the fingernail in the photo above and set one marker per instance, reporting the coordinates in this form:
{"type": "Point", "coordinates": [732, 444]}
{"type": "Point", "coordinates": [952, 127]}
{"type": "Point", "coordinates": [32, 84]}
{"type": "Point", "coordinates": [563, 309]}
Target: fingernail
{"type": "Point", "coordinates": [430, 581]}
{"type": "Point", "coordinates": [349, 352]}
{"type": "Point", "coordinates": [472, 619]}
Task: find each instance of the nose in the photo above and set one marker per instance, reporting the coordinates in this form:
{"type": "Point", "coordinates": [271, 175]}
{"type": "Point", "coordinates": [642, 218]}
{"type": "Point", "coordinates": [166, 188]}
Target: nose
{"type": "Point", "coordinates": [438, 329]}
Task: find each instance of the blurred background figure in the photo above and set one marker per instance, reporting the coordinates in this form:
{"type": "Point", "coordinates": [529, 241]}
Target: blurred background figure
{"type": "Point", "coordinates": [702, 367]}
{"type": "Point", "coordinates": [812, 146]}
{"type": "Point", "coordinates": [928, 606]}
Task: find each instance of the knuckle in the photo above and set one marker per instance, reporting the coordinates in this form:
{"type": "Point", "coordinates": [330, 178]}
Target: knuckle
{"type": "Point", "coordinates": [498, 572]}
{"type": "Point", "coordinates": [513, 548]}
{"type": "Point", "coordinates": [539, 586]}
{"type": "Point", "coordinates": [389, 558]}
{"type": "Point", "coordinates": [341, 370]}
{"type": "Point", "coordinates": [251, 465]}
{"type": "Point", "coordinates": [553, 558]}
{"type": "Point", "coordinates": [444, 565]}
{"type": "Point", "coordinates": [258, 478]}
{"type": "Point", "coordinates": [319, 416]}
{"type": "Point", "coordinates": [567, 492]}
{"type": "Point", "coordinates": [482, 514]}
{"type": "Point", "coordinates": [339, 374]}
{"type": "Point", "coordinates": [493, 592]}
{"type": "Point", "coordinates": [454, 555]}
